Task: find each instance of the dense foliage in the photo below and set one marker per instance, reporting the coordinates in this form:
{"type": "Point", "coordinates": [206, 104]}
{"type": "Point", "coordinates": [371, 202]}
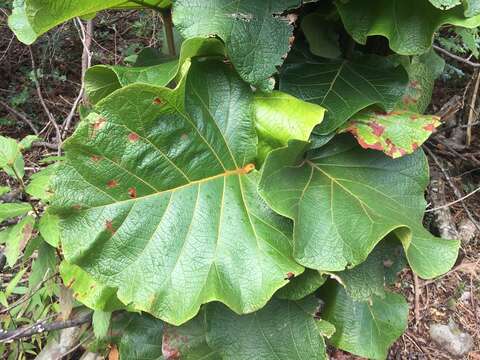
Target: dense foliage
{"type": "Point", "coordinates": [255, 197]}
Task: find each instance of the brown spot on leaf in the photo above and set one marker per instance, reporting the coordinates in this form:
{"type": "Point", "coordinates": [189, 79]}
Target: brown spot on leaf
{"type": "Point", "coordinates": [98, 125]}
{"type": "Point", "coordinates": [77, 207]}
{"type": "Point", "coordinates": [415, 146]}
{"type": "Point", "coordinates": [184, 137]}
{"type": "Point", "coordinates": [414, 84]}
{"type": "Point", "coordinates": [109, 227]}
{"type": "Point", "coordinates": [112, 184]}
{"type": "Point", "coordinates": [157, 101]}
{"type": "Point", "coordinates": [413, 117]}
{"type": "Point", "coordinates": [92, 286]}
{"type": "Point", "coordinates": [70, 283]}
{"type": "Point", "coordinates": [96, 158]}
{"type": "Point", "coordinates": [132, 192]}
{"type": "Point", "coordinates": [429, 127]}
{"type": "Point", "coordinates": [133, 137]}
{"type": "Point", "coordinates": [290, 276]}
{"type": "Point", "coordinates": [247, 168]}
{"type": "Point", "coordinates": [377, 128]}
{"type": "Point", "coordinates": [365, 145]}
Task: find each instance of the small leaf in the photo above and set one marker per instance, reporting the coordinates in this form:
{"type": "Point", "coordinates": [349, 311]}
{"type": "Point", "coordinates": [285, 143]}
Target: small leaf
{"type": "Point", "coordinates": [27, 141]}
{"type": "Point", "coordinates": [365, 329]}
{"type": "Point", "coordinates": [397, 133]}
{"type": "Point", "coordinates": [11, 159]}
{"type": "Point", "coordinates": [10, 210]}
{"type": "Point", "coordinates": [18, 237]}
{"type": "Point", "coordinates": [12, 284]}
{"type": "Point", "coordinates": [280, 117]}
{"type": "Point", "coordinates": [49, 228]}
{"type": "Point", "coordinates": [39, 185]}
{"type": "Point", "coordinates": [43, 267]}
{"type": "Point", "coordinates": [4, 190]}
{"type": "Point", "coordinates": [101, 323]}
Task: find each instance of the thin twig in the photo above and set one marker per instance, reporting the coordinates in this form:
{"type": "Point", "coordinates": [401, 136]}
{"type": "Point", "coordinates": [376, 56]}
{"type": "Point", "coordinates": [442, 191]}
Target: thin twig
{"type": "Point", "coordinates": [471, 113]}
{"type": "Point", "coordinates": [168, 25]}
{"type": "Point", "coordinates": [416, 282]}
{"type": "Point", "coordinates": [86, 39]}
{"type": "Point", "coordinates": [87, 338]}
{"type": "Point", "coordinates": [28, 296]}
{"type": "Point", "coordinates": [42, 101]}
{"type": "Point", "coordinates": [454, 202]}
{"type": "Point", "coordinates": [457, 192]}
{"type": "Point", "coordinates": [20, 116]}
{"type": "Point", "coordinates": [41, 326]}
{"type": "Point", "coordinates": [456, 57]}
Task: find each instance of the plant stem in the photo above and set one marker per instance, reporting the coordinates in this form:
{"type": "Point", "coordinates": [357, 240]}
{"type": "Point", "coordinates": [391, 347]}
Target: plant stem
{"type": "Point", "coordinates": [22, 186]}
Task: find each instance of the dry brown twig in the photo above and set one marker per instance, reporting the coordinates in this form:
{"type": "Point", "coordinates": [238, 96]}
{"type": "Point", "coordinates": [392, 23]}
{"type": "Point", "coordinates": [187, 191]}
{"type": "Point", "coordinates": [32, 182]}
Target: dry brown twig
{"type": "Point", "coordinates": [457, 192]}
{"type": "Point", "coordinates": [471, 113]}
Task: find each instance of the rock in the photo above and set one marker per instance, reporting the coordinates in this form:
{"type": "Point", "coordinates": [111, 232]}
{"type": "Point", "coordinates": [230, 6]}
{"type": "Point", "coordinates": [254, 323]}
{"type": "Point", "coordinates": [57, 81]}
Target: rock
{"type": "Point", "coordinates": [467, 231]}
{"type": "Point", "coordinates": [451, 339]}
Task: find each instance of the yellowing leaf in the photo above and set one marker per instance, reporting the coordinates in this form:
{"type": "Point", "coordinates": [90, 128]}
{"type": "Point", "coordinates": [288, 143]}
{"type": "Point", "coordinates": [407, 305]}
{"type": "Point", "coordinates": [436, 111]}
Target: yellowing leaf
{"type": "Point", "coordinates": [397, 133]}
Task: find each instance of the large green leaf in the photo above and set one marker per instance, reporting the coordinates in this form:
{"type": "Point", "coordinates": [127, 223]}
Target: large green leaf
{"type": "Point", "coordinates": [344, 200]}
{"type": "Point", "coordinates": [367, 328]}
{"type": "Point", "coordinates": [409, 25]}
{"type": "Point", "coordinates": [102, 80]}
{"type": "Point", "coordinates": [255, 37]}
{"type": "Point", "coordinates": [158, 198]}
{"type": "Point", "coordinates": [32, 18]}
{"type": "Point", "coordinates": [343, 87]}
{"type": "Point", "coordinates": [396, 133]}
{"type": "Point", "coordinates": [283, 330]}
{"type": "Point", "coordinates": [472, 7]}
{"type": "Point", "coordinates": [280, 117]}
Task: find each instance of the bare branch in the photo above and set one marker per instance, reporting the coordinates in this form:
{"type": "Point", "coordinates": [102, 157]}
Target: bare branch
{"type": "Point", "coordinates": [456, 57]}
{"type": "Point", "coordinates": [41, 326]}
{"type": "Point", "coordinates": [51, 119]}
{"type": "Point", "coordinates": [20, 115]}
